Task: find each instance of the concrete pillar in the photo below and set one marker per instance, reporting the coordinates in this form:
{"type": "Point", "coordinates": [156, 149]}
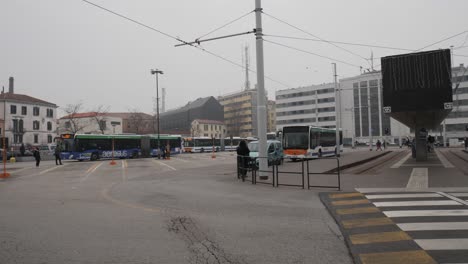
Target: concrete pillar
{"type": "Point", "coordinates": [421, 142]}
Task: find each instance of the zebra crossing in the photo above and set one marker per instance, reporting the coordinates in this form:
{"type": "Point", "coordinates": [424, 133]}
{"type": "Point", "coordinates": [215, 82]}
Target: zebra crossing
{"type": "Point", "coordinates": [384, 225]}
{"type": "Point", "coordinates": [436, 221]}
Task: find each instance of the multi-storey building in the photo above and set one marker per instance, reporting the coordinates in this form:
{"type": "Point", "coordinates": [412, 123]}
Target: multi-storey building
{"type": "Point", "coordinates": [28, 120]}
{"type": "Point", "coordinates": [179, 121]}
{"type": "Point", "coordinates": [271, 125]}
{"type": "Point", "coordinates": [208, 128]}
{"type": "Point", "coordinates": [362, 110]}
{"type": "Point", "coordinates": [240, 113]}
{"type": "Point", "coordinates": [456, 123]}
{"type": "Point", "coordinates": [309, 105]}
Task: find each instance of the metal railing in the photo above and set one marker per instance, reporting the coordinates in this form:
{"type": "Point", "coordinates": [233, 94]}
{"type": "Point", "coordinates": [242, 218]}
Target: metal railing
{"type": "Point", "coordinates": [248, 165]}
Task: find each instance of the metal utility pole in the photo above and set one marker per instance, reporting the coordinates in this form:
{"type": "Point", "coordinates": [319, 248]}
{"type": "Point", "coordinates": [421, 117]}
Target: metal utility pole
{"type": "Point", "coordinates": [261, 107]}
{"type": "Point", "coordinates": [247, 68]}
{"type": "Point", "coordinates": [157, 72]}
{"type": "Point", "coordinates": [337, 111]}
{"type": "Point", "coordinates": [369, 117]}
{"type": "Point", "coordinates": [163, 106]}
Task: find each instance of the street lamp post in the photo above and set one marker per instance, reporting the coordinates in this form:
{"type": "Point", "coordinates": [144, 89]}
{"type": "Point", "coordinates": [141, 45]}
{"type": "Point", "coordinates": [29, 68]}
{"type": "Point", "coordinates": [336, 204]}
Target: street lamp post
{"type": "Point", "coordinates": [156, 72]}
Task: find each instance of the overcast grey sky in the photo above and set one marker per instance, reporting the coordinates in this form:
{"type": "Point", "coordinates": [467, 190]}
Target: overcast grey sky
{"type": "Point", "coordinates": [67, 51]}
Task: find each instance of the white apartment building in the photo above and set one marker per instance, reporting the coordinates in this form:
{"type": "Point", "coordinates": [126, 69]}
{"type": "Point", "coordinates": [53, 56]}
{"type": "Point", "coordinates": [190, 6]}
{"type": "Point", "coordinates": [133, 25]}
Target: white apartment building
{"type": "Point", "coordinates": [358, 93]}
{"type": "Point", "coordinates": [309, 105]}
{"type": "Point", "coordinates": [87, 123]}
{"type": "Point", "coordinates": [28, 120]}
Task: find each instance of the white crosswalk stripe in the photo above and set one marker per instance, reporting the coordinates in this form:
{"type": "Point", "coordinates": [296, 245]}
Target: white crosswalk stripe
{"type": "Point", "coordinates": [437, 221]}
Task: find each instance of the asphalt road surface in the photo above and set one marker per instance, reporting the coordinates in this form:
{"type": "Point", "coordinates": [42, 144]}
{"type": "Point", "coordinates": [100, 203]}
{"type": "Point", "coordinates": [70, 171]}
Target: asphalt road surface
{"type": "Point", "coordinates": [190, 209]}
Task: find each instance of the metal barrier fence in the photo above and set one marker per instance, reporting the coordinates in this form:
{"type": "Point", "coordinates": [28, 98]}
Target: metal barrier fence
{"type": "Point", "coordinates": [246, 165]}
{"type": "Point", "coordinates": [338, 173]}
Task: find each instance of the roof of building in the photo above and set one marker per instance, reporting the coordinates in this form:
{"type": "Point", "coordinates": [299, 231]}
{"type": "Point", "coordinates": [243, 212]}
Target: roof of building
{"type": "Point", "coordinates": [190, 105]}
{"type": "Point", "coordinates": [122, 115]}
{"type": "Point", "coordinates": [24, 98]}
{"type": "Point", "coordinates": [127, 115]}
{"type": "Point", "coordinates": [206, 121]}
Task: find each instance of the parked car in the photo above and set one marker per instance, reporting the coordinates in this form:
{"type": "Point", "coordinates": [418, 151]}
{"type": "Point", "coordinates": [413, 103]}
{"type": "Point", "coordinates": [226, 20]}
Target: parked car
{"type": "Point", "coordinates": [274, 150]}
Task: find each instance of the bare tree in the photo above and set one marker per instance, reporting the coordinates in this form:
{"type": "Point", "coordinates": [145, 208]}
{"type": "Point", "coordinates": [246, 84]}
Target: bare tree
{"type": "Point", "coordinates": [72, 123]}
{"type": "Point", "coordinates": [137, 121]}
{"type": "Point", "coordinates": [99, 116]}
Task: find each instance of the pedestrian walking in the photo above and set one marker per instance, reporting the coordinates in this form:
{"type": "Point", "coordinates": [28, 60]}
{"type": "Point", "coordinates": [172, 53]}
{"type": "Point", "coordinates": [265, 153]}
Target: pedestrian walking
{"type": "Point", "coordinates": [37, 156]}
{"type": "Point", "coordinates": [379, 145]}
{"type": "Point", "coordinates": [58, 159]}
{"type": "Point", "coordinates": [243, 158]}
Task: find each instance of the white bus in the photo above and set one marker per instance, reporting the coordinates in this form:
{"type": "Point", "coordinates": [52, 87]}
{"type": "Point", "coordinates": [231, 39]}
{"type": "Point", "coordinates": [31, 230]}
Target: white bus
{"type": "Point", "coordinates": [306, 142]}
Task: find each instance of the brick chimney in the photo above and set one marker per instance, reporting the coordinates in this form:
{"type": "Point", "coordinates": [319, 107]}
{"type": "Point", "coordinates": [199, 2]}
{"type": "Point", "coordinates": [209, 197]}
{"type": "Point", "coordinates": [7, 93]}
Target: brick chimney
{"type": "Point", "coordinates": [11, 87]}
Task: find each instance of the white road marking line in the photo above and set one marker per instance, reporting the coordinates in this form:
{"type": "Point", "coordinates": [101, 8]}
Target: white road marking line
{"type": "Point", "coordinates": [400, 162]}
{"type": "Point", "coordinates": [161, 163]}
{"type": "Point", "coordinates": [419, 179]}
{"type": "Point", "coordinates": [453, 198]}
{"type": "Point", "coordinates": [416, 203]}
{"type": "Point", "coordinates": [416, 213]}
{"type": "Point", "coordinates": [421, 164]}
{"type": "Point", "coordinates": [91, 171]}
{"type": "Point", "coordinates": [51, 169]}
{"type": "Point", "coordinates": [403, 190]}
{"type": "Point", "coordinates": [433, 226]}
{"type": "Point", "coordinates": [443, 244]}
{"type": "Point", "coordinates": [16, 171]}
{"type": "Point", "coordinates": [402, 195]}
{"type": "Point", "coordinates": [444, 160]}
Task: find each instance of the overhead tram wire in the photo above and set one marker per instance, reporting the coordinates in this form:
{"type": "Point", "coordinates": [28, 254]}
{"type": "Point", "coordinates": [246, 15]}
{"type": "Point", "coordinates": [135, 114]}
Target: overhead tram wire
{"type": "Point", "coordinates": [311, 53]}
{"type": "Point", "coordinates": [227, 24]}
{"type": "Point", "coordinates": [338, 42]}
{"type": "Point", "coordinates": [315, 36]}
{"type": "Point", "coordinates": [437, 42]}
{"type": "Point", "coordinates": [180, 40]}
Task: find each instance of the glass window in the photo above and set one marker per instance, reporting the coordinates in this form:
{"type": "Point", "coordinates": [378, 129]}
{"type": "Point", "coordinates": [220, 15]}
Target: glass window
{"type": "Point", "coordinates": [15, 125]}
{"type": "Point", "coordinates": [36, 111]}
{"type": "Point", "coordinates": [24, 110]}
{"type": "Point", "coordinates": [49, 138]}
{"type": "Point", "coordinates": [35, 125]}
{"type": "Point", "coordinates": [21, 126]}
{"type": "Point", "coordinates": [49, 126]}
{"type": "Point", "coordinates": [12, 109]}
{"type": "Point", "coordinates": [36, 138]}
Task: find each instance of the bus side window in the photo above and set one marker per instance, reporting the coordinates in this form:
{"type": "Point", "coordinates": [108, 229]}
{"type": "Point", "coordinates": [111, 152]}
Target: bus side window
{"type": "Point", "coordinates": [271, 148]}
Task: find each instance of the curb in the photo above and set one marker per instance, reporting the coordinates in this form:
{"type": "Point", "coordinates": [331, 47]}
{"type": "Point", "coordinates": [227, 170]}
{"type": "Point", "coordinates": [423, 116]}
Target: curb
{"type": "Point", "coordinates": [360, 162]}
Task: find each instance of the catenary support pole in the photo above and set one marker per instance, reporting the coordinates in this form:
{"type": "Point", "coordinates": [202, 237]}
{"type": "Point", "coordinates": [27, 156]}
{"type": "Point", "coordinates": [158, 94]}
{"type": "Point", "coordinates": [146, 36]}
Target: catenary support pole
{"type": "Point", "coordinates": [261, 104]}
{"type": "Point", "coordinates": [337, 111]}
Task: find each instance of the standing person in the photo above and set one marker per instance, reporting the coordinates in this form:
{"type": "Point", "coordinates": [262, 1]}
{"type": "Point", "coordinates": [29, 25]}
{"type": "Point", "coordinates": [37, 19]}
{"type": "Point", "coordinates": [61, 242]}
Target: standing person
{"type": "Point", "coordinates": [58, 159]}
{"type": "Point", "coordinates": [37, 156]}
{"type": "Point", "coordinates": [243, 158]}
{"type": "Point", "coordinates": [22, 149]}
{"type": "Point", "coordinates": [379, 145]}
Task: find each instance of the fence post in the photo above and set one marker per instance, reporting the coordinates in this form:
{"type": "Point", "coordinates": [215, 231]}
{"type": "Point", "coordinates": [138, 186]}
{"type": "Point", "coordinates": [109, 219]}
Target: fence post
{"type": "Point", "coordinates": [339, 174]}
{"type": "Point", "coordinates": [303, 174]}
{"type": "Point", "coordinates": [273, 175]}
{"type": "Point", "coordinates": [308, 176]}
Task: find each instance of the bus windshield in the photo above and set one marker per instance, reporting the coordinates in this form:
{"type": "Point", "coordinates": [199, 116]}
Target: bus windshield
{"type": "Point", "coordinates": [297, 140]}
{"type": "Point", "coordinates": [296, 137]}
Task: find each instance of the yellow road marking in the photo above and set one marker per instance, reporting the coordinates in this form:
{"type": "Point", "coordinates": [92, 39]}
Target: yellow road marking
{"type": "Point", "coordinates": [358, 210]}
{"type": "Point", "coordinates": [350, 202]}
{"type": "Point", "coordinates": [379, 237]}
{"type": "Point", "coordinates": [400, 257]}
{"type": "Point", "coordinates": [367, 222]}
{"type": "Point", "coordinates": [344, 195]}
{"type": "Point", "coordinates": [105, 194]}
